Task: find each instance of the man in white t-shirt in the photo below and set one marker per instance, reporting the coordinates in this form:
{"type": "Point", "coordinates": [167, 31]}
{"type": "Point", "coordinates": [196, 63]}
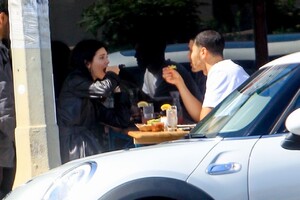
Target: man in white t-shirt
{"type": "Point", "coordinates": [223, 76]}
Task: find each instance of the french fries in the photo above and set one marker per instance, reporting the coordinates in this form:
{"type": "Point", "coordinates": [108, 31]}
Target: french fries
{"type": "Point", "coordinates": [172, 66]}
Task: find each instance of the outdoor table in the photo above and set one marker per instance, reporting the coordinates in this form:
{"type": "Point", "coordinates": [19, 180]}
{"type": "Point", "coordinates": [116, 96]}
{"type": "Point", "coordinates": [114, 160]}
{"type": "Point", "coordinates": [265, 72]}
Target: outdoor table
{"type": "Point", "coordinates": [143, 137]}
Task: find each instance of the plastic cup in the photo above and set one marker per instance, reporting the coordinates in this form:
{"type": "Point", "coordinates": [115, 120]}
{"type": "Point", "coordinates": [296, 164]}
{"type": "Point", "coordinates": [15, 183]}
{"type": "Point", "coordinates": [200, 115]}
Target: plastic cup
{"type": "Point", "coordinates": [148, 113]}
{"type": "Point", "coordinates": [172, 119]}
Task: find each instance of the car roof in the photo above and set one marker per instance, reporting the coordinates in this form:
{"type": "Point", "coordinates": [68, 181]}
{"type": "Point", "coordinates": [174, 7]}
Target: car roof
{"type": "Point", "coordinates": [287, 59]}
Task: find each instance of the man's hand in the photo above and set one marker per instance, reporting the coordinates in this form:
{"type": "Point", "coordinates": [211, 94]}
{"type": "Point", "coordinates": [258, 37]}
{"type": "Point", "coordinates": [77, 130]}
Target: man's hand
{"type": "Point", "coordinates": [172, 76]}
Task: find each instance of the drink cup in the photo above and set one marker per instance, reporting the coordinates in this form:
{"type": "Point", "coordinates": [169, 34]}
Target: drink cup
{"type": "Point", "coordinates": [148, 113]}
{"type": "Point", "coordinates": [172, 119]}
{"type": "Point", "coordinates": [164, 120]}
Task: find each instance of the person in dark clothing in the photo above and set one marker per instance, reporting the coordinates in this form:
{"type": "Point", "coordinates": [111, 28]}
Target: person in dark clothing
{"type": "Point", "coordinates": [7, 109]}
{"type": "Point", "coordinates": [150, 55]}
{"type": "Point", "coordinates": [81, 111]}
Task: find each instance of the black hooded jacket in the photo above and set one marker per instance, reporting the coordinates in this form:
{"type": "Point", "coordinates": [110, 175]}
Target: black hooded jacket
{"type": "Point", "coordinates": [81, 114]}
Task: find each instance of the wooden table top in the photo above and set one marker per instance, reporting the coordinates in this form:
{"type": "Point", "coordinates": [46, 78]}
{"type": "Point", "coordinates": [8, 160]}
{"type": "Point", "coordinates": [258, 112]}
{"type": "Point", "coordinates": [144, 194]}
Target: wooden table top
{"type": "Point", "coordinates": [141, 137]}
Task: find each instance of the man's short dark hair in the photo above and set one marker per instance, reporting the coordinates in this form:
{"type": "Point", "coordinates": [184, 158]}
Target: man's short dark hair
{"type": "Point", "coordinates": [4, 6]}
{"type": "Point", "coordinates": [211, 40]}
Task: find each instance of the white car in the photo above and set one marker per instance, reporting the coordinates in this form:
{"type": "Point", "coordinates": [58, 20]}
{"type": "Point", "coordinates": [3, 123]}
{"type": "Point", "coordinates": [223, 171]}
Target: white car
{"type": "Point", "coordinates": [246, 148]}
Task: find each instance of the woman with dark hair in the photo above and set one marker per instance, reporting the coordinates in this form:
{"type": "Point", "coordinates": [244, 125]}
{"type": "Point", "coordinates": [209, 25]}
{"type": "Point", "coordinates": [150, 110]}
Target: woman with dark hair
{"type": "Point", "coordinates": [81, 113]}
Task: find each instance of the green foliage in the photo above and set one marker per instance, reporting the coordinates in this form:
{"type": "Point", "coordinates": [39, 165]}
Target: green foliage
{"type": "Point", "coordinates": [287, 16]}
{"type": "Point", "coordinates": [119, 22]}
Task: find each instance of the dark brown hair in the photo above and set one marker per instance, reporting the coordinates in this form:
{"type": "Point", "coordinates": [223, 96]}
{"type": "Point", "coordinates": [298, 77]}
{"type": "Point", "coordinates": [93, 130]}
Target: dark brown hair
{"type": "Point", "coordinates": [211, 40]}
{"type": "Point", "coordinates": [4, 6]}
{"type": "Point", "coordinates": [84, 52]}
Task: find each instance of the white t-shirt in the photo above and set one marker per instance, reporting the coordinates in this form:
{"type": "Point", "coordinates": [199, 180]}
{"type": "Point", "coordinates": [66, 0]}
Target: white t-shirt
{"type": "Point", "coordinates": [224, 77]}
{"type": "Point", "coordinates": [149, 85]}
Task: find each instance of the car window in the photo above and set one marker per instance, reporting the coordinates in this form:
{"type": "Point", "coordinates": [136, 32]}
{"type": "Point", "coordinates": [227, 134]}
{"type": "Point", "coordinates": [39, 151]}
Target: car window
{"type": "Point", "coordinates": [280, 126]}
{"type": "Point", "coordinates": [231, 117]}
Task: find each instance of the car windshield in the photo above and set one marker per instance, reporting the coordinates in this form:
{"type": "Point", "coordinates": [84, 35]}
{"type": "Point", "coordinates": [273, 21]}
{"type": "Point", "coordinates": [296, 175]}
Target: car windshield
{"type": "Point", "coordinates": [231, 117]}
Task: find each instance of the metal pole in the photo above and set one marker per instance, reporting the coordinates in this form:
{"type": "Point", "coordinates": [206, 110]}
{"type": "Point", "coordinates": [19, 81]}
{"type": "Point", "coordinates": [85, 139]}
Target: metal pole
{"type": "Point", "coordinates": [37, 140]}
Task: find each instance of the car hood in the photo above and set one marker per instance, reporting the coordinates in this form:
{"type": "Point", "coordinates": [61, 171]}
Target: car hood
{"type": "Point", "coordinates": [175, 159]}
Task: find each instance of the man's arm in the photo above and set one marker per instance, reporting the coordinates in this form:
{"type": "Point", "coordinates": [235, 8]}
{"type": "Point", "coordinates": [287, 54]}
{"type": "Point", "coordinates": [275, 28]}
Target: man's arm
{"type": "Point", "coordinates": [191, 103]}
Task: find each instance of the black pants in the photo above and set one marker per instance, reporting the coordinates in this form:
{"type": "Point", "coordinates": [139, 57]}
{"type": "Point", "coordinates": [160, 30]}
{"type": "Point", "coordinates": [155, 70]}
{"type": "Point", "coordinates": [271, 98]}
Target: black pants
{"type": "Point", "coordinates": [7, 177]}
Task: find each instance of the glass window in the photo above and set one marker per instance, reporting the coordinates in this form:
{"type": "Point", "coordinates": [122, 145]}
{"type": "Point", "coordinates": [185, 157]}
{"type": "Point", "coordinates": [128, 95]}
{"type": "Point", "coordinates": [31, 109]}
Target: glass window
{"type": "Point", "coordinates": [295, 104]}
{"type": "Point", "coordinates": [243, 106]}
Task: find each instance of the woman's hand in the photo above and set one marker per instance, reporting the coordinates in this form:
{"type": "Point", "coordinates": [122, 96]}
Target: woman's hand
{"type": "Point", "coordinates": [114, 69]}
{"type": "Point", "coordinates": [117, 89]}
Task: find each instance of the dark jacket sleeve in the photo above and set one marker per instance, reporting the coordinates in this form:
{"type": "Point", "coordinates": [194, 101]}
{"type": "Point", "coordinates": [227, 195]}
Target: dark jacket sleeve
{"type": "Point", "coordinates": [85, 87]}
{"type": "Point", "coordinates": [7, 105]}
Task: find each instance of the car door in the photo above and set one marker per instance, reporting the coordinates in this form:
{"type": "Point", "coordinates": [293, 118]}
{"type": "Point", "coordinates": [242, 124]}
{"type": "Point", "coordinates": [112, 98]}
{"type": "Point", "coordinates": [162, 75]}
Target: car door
{"type": "Point", "coordinates": [274, 171]}
{"type": "Point", "coordinates": [223, 172]}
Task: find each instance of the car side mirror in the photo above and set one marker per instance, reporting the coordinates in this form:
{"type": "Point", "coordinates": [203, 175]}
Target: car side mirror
{"type": "Point", "coordinates": [292, 123]}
